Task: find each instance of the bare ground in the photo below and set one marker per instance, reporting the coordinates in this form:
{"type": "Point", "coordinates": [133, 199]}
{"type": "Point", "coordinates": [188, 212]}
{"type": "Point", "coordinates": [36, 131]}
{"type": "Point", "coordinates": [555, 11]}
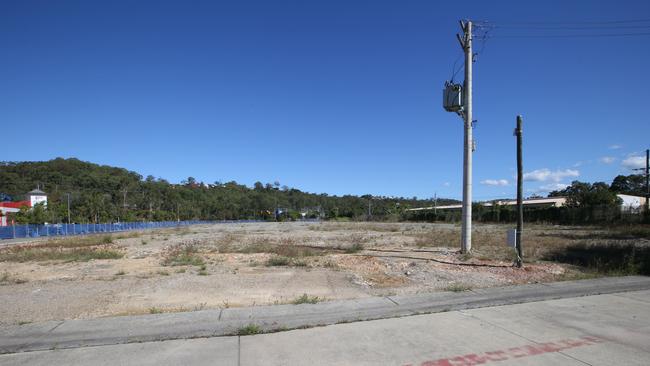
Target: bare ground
{"type": "Point", "coordinates": [227, 265]}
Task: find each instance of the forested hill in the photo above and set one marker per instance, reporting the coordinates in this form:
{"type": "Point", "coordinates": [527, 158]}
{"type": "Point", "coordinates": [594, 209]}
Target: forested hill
{"type": "Point", "coordinates": [100, 193]}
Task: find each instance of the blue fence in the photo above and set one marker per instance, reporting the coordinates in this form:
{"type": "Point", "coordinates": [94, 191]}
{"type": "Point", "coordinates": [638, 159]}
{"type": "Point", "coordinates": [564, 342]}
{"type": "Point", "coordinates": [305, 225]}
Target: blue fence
{"type": "Point", "coordinates": [35, 231]}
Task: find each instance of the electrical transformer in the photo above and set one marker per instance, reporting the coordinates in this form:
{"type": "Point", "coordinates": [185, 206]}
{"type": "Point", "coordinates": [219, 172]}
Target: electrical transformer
{"type": "Point", "coordinates": [452, 97]}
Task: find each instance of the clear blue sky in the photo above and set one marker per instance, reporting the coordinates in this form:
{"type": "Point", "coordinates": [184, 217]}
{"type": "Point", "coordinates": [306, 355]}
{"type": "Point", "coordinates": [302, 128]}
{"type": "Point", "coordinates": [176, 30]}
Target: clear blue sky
{"type": "Point", "coordinates": [329, 96]}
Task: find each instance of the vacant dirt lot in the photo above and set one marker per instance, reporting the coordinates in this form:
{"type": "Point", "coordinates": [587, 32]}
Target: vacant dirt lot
{"type": "Point", "coordinates": [226, 265]}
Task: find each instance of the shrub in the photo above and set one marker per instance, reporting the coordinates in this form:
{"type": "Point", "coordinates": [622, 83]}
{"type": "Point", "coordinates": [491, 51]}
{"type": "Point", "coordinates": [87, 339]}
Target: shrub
{"type": "Point", "coordinates": [250, 329]}
{"type": "Point", "coordinates": [356, 247]}
{"type": "Point", "coordinates": [277, 261]}
{"type": "Point", "coordinates": [306, 299]}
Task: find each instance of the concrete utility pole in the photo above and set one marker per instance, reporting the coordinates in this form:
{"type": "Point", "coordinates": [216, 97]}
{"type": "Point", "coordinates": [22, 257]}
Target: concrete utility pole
{"type": "Point", "coordinates": [520, 189]}
{"type": "Point", "coordinates": [466, 230]}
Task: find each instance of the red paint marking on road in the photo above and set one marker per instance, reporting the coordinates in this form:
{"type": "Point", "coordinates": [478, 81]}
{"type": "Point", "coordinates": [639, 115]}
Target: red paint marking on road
{"type": "Point", "coordinates": [512, 353]}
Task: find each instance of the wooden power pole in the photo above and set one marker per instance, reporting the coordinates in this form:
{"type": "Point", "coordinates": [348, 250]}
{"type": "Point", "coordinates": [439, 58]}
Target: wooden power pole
{"type": "Point", "coordinates": [647, 182]}
{"type": "Point", "coordinates": [520, 189]}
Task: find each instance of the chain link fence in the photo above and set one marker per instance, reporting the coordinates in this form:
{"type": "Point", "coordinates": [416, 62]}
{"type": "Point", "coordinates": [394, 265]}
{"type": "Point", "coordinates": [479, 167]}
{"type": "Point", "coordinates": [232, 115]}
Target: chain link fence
{"type": "Point", "coordinates": [35, 231]}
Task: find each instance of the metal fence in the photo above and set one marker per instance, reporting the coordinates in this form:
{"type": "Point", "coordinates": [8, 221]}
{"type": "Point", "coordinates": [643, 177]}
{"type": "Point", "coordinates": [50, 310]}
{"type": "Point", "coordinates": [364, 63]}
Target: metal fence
{"type": "Point", "coordinates": [35, 231]}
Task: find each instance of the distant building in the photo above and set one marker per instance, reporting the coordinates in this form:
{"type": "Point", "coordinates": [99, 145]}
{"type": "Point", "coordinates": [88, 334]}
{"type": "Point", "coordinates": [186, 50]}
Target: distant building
{"type": "Point", "coordinates": [629, 203]}
{"type": "Point", "coordinates": [34, 197]}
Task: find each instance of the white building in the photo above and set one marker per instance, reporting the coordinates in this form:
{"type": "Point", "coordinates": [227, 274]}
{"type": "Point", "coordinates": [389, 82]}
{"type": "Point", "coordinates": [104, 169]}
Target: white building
{"type": "Point", "coordinates": [32, 198]}
{"type": "Point", "coordinates": [36, 196]}
{"type": "Point", "coordinates": [631, 203]}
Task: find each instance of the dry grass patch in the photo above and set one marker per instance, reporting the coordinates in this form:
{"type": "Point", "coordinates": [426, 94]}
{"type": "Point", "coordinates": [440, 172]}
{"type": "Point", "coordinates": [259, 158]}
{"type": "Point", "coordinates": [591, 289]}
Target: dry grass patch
{"type": "Point", "coordinates": [77, 242]}
{"type": "Point", "coordinates": [7, 278]}
{"type": "Point", "coordinates": [283, 246]}
{"type": "Point", "coordinates": [184, 254]}
{"type": "Point", "coordinates": [57, 253]}
{"type": "Point", "coordinates": [360, 226]}
{"type": "Point", "coordinates": [437, 238]}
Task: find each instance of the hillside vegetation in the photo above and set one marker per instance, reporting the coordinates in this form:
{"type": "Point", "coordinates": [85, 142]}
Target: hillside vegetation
{"type": "Point", "coordinates": [100, 193]}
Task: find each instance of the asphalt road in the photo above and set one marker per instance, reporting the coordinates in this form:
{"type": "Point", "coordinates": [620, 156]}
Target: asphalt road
{"type": "Point", "coordinates": [607, 329]}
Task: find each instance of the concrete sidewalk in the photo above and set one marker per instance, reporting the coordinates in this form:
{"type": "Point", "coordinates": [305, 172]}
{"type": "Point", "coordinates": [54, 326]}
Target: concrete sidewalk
{"type": "Point", "coordinates": [612, 329]}
{"type": "Point", "coordinates": [210, 323]}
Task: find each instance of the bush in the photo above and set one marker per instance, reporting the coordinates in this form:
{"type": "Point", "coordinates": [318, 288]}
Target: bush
{"type": "Point", "coordinates": [356, 247]}
{"type": "Point", "coordinates": [306, 299]}
{"type": "Point", "coordinates": [250, 329]}
{"type": "Point", "coordinates": [278, 261]}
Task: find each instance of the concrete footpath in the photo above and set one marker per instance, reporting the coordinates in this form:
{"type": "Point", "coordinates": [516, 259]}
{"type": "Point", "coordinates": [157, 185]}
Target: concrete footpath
{"type": "Point", "coordinates": [580, 328]}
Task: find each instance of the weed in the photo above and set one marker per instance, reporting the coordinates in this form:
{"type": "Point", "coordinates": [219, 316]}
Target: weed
{"type": "Point", "coordinates": [354, 248]}
{"type": "Point", "coordinates": [8, 279]}
{"type": "Point", "coordinates": [144, 242]}
{"type": "Point", "coordinates": [278, 261]}
{"type": "Point", "coordinates": [182, 231]}
{"type": "Point", "coordinates": [120, 273]}
{"type": "Point", "coordinates": [464, 257]}
{"type": "Point", "coordinates": [184, 254]}
{"type": "Point", "coordinates": [458, 287]}
{"type": "Point", "coordinates": [76, 242]}
{"type": "Point", "coordinates": [36, 254]}
{"type": "Point", "coordinates": [330, 264]}
{"type": "Point", "coordinates": [180, 270]}
{"type": "Point", "coordinates": [607, 258]}
{"type": "Point", "coordinates": [306, 299]}
{"type": "Point", "coordinates": [299, 263]}
{"type": "Point", "coordinates": [202, 272]}
{"type": "Point", "coordinates": [163, 273]}
{"type": "Point", "coordinates": [250, 329]}
{"type": "Point", "coordinates": [155, 310]}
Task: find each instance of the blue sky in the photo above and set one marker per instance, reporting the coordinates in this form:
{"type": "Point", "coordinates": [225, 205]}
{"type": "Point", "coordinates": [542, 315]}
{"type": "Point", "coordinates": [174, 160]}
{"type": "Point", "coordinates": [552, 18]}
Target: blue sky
{"type": "Point", "coordinates": [331, 96]}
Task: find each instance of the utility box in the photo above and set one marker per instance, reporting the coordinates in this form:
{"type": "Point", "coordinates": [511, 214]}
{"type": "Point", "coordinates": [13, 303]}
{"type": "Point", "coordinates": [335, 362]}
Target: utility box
{"type": "Point", "coordinates": [512, 238]}
{"type": "Point", "coordinates": [452, 97]}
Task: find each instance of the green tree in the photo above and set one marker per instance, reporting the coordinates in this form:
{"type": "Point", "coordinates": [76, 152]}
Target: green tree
{"type": "Point", "coordinates": [629, 184]}
{"type": "Point", "coordinates": [581, 194]}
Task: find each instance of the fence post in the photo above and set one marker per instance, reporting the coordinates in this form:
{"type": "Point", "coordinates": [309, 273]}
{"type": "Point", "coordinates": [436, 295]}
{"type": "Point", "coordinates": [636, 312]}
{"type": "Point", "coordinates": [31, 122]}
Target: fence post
{"type": "Point", "coordinates": [14, 227]}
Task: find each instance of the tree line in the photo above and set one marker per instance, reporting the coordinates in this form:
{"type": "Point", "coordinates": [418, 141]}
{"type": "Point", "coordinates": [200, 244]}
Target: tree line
{"type": "Point", "coordinates": [586, 203]}
{"type": "Point", "coordinates": [99, 193]}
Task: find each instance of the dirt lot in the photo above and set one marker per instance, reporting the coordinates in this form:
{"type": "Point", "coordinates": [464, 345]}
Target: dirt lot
{"type": "Point", "coordinates": [227, 265]}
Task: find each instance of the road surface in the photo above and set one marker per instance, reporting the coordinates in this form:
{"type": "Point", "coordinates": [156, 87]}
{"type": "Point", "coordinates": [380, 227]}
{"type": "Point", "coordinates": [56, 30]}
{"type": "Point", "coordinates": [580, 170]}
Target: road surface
{"type": "Point", "coordinates": [607, 329]}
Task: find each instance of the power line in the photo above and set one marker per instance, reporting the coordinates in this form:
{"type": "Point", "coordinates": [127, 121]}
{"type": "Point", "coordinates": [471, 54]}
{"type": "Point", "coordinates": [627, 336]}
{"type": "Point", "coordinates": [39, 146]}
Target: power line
{"type": "Point", "coordinates": [455, 71]}
{"type": "Point", "coordinates": [595, 35]}
{"type": "Point", "coordinates": [564, 27]}
{"type": "Point", "coordinates": [581, 29]}
{"type": "Point", "coordinates": [588, 22]}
